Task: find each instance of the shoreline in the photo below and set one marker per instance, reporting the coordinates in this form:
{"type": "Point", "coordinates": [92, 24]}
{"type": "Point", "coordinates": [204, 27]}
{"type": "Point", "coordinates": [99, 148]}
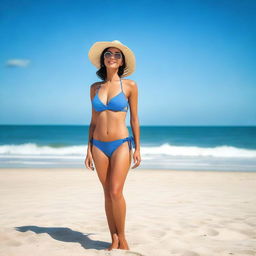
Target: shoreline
{"type": "Point", "coordinates": [136, 169]}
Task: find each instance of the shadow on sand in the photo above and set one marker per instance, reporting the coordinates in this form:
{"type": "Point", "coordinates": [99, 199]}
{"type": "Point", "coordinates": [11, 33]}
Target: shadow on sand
{"type": "Point", "coordinates": [67, 235]}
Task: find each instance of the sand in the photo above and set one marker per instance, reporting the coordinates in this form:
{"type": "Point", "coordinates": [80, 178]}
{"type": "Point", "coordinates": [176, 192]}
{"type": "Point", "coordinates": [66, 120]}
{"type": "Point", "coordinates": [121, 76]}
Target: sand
{"type": "Point", "coordinates": [189, 213]}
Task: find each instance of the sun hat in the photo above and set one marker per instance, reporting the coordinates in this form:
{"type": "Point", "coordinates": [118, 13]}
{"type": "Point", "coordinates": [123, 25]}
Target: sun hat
{"type": "Point", "coordinates": [98, 47]}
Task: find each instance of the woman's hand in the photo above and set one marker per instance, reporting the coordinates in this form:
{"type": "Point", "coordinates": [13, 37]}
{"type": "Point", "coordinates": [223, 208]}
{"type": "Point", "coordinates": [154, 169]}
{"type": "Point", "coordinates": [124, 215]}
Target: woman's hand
{"type": "Point", "coordinates": [89, 162]}
{"type": "Point", "coordinates": [136, 158]}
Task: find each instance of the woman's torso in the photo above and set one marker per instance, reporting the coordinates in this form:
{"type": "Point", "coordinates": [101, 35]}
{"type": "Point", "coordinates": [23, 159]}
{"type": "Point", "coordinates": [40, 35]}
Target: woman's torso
{"type": "Point", "coordinates": [110, 124]}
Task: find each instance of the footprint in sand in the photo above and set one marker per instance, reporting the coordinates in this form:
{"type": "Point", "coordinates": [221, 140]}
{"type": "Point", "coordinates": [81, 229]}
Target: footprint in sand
{"type": "Point", "coordinates": [185, 252]}
{"type": "Point", "coordinates": [190, 253]}
{"type": "Point", "coordinates": [210, 232]}
{"type": "Point", "coordinates": [229, 235]}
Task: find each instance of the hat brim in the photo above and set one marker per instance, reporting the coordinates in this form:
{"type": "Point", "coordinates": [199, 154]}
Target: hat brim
{"type": "Point", "coordinates": [98, 47]}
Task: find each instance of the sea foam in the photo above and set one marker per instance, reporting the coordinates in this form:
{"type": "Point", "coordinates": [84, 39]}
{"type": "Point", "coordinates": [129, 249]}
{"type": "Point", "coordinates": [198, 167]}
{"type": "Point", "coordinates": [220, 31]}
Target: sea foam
{"type": "Point", "coordinates": [164, 150]}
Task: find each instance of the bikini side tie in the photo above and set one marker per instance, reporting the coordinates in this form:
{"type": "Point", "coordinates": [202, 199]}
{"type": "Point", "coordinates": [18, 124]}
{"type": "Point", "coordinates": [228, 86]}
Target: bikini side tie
{"type": "Point", "coordinates": [130, 140]}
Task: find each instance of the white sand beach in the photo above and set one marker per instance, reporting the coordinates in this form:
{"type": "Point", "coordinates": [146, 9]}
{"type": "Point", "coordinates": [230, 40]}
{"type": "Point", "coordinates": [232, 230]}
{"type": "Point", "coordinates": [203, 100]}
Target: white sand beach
{"type": "Point", "coordinates": [182, 213]}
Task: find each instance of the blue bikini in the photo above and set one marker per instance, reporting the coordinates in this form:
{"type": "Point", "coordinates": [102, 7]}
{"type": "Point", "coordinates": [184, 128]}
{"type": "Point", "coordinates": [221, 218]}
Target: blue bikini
{"type": "Point", "coordinates": [117, 103]}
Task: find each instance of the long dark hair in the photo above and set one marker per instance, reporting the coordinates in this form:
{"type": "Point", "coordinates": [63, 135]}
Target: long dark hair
{"type": "Point", "coordinates": [102, 72]}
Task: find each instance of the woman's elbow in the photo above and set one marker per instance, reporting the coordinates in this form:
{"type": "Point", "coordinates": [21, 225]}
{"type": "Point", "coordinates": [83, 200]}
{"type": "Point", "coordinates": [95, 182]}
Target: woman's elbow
{"type": "Point", "coordinates": [134, 121]}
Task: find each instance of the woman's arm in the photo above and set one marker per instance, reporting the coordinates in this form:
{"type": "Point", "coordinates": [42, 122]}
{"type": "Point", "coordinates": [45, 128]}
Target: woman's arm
{"type": "Point", "coordinates": [134, 121]}
{"type": "Point", "coordinates": [93, 120]}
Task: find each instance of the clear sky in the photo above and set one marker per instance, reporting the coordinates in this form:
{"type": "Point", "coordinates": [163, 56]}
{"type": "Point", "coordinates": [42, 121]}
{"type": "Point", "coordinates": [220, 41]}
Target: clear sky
{"type": "Point", "coordinates": [196, 60]}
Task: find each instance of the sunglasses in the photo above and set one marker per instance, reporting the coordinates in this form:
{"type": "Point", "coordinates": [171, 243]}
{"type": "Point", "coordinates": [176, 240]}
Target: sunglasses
{"type": "Point", "coordinates": [117, 55]}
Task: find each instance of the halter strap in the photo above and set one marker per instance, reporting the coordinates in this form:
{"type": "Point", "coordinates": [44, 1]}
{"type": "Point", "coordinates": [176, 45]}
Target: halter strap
{"type": "Point", "coordinates": [98, 88]}
{"type": "Point", "coordinates": [121, 84]}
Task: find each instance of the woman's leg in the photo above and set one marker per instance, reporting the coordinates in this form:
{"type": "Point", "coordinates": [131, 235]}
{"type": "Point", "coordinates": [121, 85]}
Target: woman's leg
{"type": "Point", "coordinates": [102, 166]}
{"type": "Point", "coordinates": [120, 163]}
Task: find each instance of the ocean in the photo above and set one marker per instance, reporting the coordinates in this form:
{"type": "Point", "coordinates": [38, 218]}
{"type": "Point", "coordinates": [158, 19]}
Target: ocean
{"type": "Point", "coordinates": [208, 148]}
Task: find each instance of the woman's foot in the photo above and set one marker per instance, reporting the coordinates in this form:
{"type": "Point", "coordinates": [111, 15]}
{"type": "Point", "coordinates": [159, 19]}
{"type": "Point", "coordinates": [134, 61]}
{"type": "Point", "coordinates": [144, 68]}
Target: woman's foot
{"type": "Point", "coordinates": [115, 242]}
{"type": "Point", "coordinates": [123, 244]}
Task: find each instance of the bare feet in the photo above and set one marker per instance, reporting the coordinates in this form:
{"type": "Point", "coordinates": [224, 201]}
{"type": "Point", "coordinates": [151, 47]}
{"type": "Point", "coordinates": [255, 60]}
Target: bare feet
{"type": "Point", "coordinates": [114, 244]}
{"type": "Point", "coordinates": [123, 244]}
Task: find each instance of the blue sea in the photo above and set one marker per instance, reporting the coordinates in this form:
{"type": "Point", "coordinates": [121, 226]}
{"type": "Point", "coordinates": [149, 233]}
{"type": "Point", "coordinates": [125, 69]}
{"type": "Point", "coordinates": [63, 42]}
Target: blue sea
{"type": "Point", "coordinates": [214, 148]}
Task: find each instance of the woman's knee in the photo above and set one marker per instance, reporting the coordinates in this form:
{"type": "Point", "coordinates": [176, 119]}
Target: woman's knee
{"type": "Point", "coordinates": [115, 193]}
{"type": "Point", "coordinates": [106, 191]}
{"type": "Point", "coordinates": [112, 192]}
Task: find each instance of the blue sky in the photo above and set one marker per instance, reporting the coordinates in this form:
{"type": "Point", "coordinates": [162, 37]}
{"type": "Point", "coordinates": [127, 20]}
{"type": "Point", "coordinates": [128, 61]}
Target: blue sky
{"type": "Point", "coordinates": [196, 60]}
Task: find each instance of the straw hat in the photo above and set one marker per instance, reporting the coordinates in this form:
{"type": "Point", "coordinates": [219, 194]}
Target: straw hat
{"type": "Point", "coordinates": [98, 47]}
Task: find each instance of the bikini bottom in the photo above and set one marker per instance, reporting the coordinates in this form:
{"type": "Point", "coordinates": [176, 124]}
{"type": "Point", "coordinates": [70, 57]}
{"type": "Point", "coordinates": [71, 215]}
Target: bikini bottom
{"type": "Point", "coordinates": [108, 147]}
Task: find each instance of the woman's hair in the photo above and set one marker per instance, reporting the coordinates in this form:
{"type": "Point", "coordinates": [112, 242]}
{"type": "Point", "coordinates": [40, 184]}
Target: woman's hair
{"type": "Point", "coordinates": [102, 72]}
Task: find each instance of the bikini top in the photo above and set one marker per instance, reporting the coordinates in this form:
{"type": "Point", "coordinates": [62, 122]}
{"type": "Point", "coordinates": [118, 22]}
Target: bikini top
{"type": "Point", "coordinates": [117, 103]}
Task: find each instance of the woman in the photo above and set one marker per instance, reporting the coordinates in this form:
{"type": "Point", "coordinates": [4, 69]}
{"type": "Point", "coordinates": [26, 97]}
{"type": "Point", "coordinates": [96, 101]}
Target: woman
{"type": "Point", "coordinates": [109, 144]}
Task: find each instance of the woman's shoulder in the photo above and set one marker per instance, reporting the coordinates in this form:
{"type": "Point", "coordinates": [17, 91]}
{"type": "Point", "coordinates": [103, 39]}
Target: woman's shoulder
{"type": "Point", "coordinates": [131, 86]}
{"type": "Point", "coordinates": [130, 82]}
{"type": "Point", "coordinates": [95, 85]}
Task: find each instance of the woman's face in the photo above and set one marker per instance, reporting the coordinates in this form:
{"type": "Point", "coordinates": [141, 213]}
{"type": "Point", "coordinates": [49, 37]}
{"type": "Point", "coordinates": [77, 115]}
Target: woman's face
{"type": "Point", "coordinates": [112, 62]}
